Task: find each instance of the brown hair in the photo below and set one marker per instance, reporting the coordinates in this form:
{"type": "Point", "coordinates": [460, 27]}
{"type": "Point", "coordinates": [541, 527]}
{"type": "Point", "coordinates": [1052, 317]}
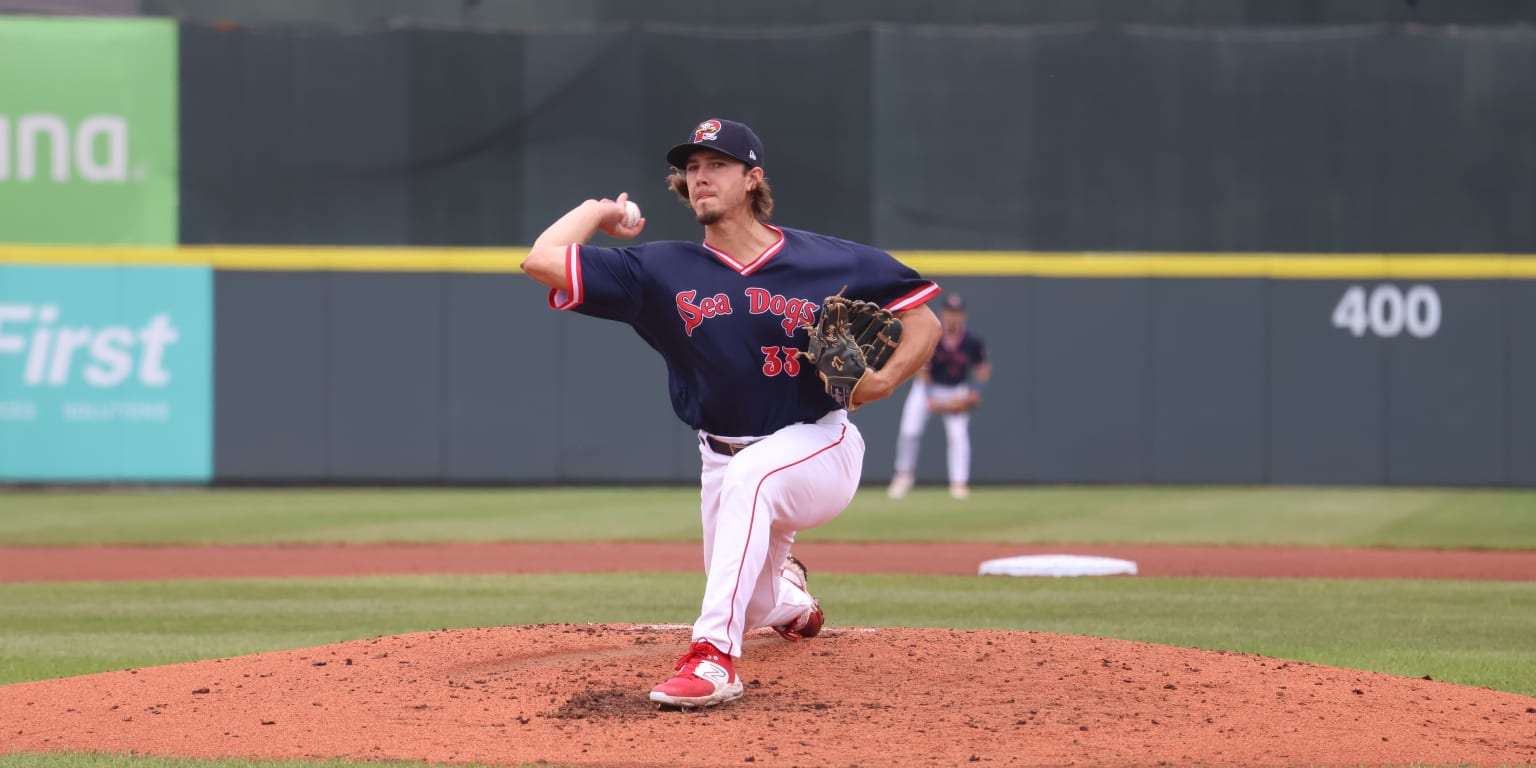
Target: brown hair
{"type": "Point", "coordinates": [762, 196]}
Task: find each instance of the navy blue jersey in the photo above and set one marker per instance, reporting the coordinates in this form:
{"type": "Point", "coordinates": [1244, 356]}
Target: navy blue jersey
{"type": "Point", "coordinates": [729, 332]}
{"type": "Point", "coordinates": [952, 366]}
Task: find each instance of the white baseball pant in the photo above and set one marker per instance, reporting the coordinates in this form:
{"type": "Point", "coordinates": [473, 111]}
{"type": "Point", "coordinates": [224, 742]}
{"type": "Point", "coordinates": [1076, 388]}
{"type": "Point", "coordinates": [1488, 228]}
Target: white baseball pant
{"type": "Point", "coordinates": [752, 505]}
{"type": "Point", "coordinates": [957, 430]}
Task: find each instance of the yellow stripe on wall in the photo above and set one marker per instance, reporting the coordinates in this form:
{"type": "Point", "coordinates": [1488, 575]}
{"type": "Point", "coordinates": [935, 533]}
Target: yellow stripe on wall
{"type": "Point", "coordinates": [260, 258]}
{"type": "Point", "coordinates": [1278, 266]}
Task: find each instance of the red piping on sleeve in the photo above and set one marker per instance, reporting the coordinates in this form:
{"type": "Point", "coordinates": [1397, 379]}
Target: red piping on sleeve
{"type": "Point", "coordinates": [915, 298]}
{"type": "Point", "coordinates": [571, 299]}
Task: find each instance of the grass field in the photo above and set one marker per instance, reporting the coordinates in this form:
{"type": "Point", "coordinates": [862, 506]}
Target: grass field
{"type": "Point", "coordinates": [1475, 633]}
{"type": "Point", "coordinates": [1352, 517]}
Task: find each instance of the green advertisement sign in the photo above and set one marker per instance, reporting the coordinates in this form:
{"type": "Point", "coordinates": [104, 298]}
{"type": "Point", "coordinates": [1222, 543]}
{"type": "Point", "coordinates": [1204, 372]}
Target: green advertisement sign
{"type": "Point", "coordinates": [106, 374]}
{"type": "Point", "coordinates": [88, 140]}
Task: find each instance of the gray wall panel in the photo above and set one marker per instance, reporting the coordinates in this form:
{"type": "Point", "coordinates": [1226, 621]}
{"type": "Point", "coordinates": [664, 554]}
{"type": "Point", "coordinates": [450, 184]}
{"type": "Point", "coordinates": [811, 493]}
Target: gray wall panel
{"type": "Point", "coordinates": [616, 421]}
{"type": "Point", "coordinates": [686, 463]}
{"type": "Point", "coordinates": [270, 376]}
{"type": "Point", "coordinates": [1209, 377]}
{"type": "Point", "coordinates": [1327, 401]}
{"type": "Point", "coordinates": [1005, 418]}
{"type": "Point", "coordinates": [385, 376]}
{"type": "Point", "coordinates": [1089, 398]}
{"type": "Point", "coordinates": [1522, 382]}
{"type": "Point", "coordinates": [879, 422]}
{"type": "Point", "coordinates": [1448, 413]}
{"type": "Point", "coordinates": [499, 344]}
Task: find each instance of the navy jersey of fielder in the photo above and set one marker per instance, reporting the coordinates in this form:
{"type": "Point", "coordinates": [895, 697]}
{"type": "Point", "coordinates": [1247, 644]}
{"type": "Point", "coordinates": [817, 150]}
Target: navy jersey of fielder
{"type": "Point", "coordinates": [952, 367]}
{"type": "Point", "coordinates": [729, 332]}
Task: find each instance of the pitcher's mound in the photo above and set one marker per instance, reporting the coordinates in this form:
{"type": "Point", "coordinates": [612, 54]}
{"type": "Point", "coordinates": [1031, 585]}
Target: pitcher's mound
{"type": "Point", "coordinates": [576, 695]}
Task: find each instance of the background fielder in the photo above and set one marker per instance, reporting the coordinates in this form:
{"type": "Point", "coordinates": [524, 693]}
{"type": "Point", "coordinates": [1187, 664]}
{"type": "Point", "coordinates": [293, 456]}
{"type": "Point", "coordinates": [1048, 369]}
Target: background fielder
{"type": "Point", "coordinates": [778, 455]}
{"type": "Point", "coordinates": [949, 385]}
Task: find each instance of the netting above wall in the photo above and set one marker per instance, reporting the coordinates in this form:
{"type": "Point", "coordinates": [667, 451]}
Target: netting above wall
{"type": "Point", "coordinates": [1366, 138]}
{"type": "Point", "coordinates": [1370, 138]}
{"type": "Point", "coordinates": [523, 13]}
{"type": "Point", "coordinates": [72, 7]}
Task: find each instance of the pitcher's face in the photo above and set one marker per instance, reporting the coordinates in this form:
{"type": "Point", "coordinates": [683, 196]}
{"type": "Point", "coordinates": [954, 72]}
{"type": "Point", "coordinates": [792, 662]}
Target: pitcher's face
{"type": "Point", "coordinates": [717, 185]}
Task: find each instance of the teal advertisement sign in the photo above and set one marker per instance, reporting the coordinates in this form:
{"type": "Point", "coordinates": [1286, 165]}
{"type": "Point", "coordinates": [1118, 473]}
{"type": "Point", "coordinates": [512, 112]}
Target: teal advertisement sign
{"type": "Point", "coordinates": [106, 374]}
{"type": "Point", "coordinates": [88, 131]}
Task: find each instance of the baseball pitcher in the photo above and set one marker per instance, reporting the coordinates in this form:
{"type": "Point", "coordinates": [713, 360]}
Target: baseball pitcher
{"type": "Point", "coordinates": [771, 337]}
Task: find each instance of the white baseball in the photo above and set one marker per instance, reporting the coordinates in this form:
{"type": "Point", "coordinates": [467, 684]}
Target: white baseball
{"type": "Point", "coordinates": [631, 213]}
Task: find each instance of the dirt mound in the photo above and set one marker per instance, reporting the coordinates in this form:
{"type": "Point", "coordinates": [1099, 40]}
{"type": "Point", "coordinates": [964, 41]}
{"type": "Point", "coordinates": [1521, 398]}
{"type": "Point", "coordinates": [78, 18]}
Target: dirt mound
{"type": "Point", "coordinates": [575, 695]}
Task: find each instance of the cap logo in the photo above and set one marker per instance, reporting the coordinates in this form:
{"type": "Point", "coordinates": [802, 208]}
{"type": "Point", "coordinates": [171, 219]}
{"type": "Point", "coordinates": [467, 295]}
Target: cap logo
{"type": "Point", "coordinates": [752, 155]}
{"type": "Point", "coordinates": [707, 131]}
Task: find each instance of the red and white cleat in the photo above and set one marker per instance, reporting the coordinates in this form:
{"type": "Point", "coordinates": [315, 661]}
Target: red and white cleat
{"type": "Point", "coordinates": [704, 678]}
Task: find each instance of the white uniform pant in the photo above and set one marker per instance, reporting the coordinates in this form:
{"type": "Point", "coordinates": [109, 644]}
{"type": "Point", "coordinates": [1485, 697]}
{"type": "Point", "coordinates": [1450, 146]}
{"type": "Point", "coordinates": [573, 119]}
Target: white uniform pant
{"type": "Point", "coordinates": [957, 430]}
{"type": "Point", "coordinates": [752, 504]}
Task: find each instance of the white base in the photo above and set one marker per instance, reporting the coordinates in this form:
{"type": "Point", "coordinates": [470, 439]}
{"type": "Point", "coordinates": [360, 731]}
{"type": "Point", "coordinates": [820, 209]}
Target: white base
{"type": "Point", "coordinates": [1058, 565]}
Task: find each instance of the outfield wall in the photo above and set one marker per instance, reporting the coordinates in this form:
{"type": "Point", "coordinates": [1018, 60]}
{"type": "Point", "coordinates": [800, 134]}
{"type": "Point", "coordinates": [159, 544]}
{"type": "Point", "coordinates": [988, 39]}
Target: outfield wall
{"type": "Point", "coordinates": [391, 366]}
{"type": "Point", "coordinates": [396, 377]}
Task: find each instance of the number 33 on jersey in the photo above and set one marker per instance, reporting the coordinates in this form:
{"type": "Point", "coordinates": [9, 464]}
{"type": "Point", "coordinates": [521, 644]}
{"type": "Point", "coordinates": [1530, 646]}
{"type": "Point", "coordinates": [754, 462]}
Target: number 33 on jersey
{"type": "Point", "coordinates": [777, 359]}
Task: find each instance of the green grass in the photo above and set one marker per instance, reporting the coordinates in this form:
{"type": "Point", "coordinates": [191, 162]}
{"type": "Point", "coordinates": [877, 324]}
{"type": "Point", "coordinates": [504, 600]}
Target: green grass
{"type": "Point", "coordinates": [199, 516]}
{"type": "Point", "coordinates": [1334, 517]}
{"type": "Point", "coordinates": [1463, 632]}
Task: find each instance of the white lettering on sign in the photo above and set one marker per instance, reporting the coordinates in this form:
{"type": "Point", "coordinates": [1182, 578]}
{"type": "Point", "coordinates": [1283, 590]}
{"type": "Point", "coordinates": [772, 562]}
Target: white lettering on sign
{"type": "Point", "coordinates": [116, 411]}
{"type": "Point", "coordinates": [42, 146]}
{"type": "Point", "coordinates": [105, 357]}
{"type": "Point", "coordinates": [18, 410]}
{"type": "Point", "coordinates": [1387, 311]}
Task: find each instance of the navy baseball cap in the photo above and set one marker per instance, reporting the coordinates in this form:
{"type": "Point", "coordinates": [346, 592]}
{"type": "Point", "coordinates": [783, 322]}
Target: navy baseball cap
{"type": "Point", "coordinates": [953, 301]}
{"type": "Point", "coordinates": [725, 136]}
